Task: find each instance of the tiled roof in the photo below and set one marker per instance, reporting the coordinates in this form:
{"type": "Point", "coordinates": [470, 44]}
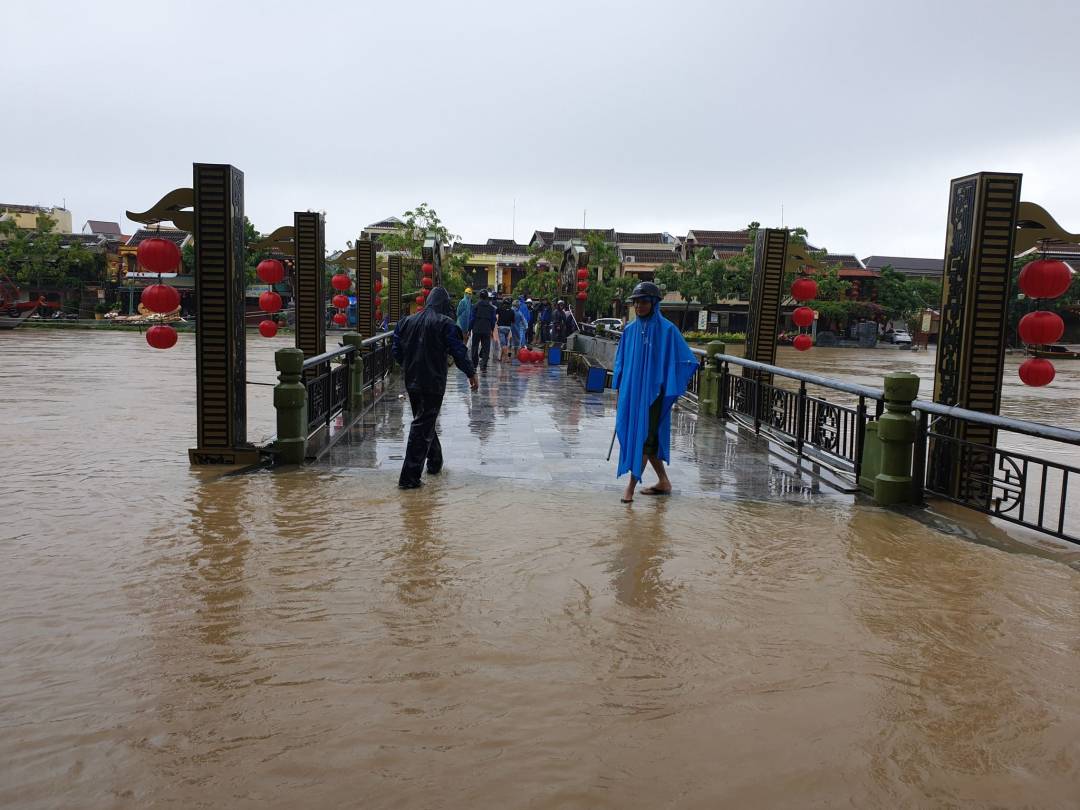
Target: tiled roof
{"type": "Point", "coordinates": [389, 222]}
{"type": "Point", "coordinates": [511, 249]}
{"type": "Point", "coordinates": [726, 254]}
{"type": "Point", "coordinates": [719, 237]}
{"type": "Point", "coordinates": [647, 256]}
{"type": "Point", "coordinates": [566, 234]}
{"type": "Point", "coordinates": [906, 264]}
{"type": "Point", "coordinates": [102, 227]}
{"type": "Point", "coordinates": [857, 272]}
{"type": "Point", "coordinates": [846, 260]}
{"type": "Point", "coordinates": [173, 235]}
{"type": "Point", "coordinates": [87, 240]}
{"type": "Point", "coordinates": [502, 242]}
{"type": "Point", "coordinates": [640, 238]}
{"type": "Point", "coordinates": [544, 237]}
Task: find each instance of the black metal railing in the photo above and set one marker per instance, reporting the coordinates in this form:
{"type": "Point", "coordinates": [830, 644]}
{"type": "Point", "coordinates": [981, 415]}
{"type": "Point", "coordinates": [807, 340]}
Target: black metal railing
{"type": "Point", "coordinates": [1025, 488]}
{"type": "Point", "coordinates": [327, 377]}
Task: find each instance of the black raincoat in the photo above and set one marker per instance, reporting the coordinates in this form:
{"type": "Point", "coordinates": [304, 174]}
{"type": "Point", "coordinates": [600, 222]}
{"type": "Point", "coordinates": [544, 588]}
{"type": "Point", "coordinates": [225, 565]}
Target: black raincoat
{"type": "Point", "coordinates": [422, 341]}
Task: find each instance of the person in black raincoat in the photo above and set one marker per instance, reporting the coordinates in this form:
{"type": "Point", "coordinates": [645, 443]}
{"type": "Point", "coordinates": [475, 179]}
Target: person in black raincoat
{"type": "Point", "coordinates": [421, 343]}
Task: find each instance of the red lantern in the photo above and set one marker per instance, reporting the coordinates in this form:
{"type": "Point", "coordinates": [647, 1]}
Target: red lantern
{"type": "Point", "coordinates": [420, 299]}
{"type": "Point", "coordinates": [803, 316]}
{"type": "Point", "coordinates": [158, 255]}
{"type": "Point", "coordinates": [160, 298]}
{"type": "Point", "coordinates": [803, 289]}
{"type": "Point", "coordinates": [270, 302]}
{"type": "Point", "coordinates": [538, 357]}
{"type": "Point", "coordinates": [378, 302]}
{"type": "Point", "coordinates": [523, 355]}
{"type": "Point", "coordinates": [419, 307]}
{"type": "Point", "coordinates": [1045, 278]}
{"type": "Point", "coordinates": [161, 337]}
{"type": "Point", "coordinates": [428, 282]}
{"type": "Point", "coordinates": [581, 296]}
{"type": "Point", "coordinates": [583, 285]}
{"type": "Point", "coordinates": [268, 328]}
{"type": "Point", "coordinates": [1037, 372]}
{"type": "Point", "coordinates": [341, 319]}
{"type": "Point", "coordinates": [270, 271]}
{"type": "Point", "coordinates": [378, 315]}
{"type": "Point", "coordinates": [341, 301]}
{"type": "Point", "coordinates": [802, 342]}
{"type": "Point", "coordinates": [425, 293]}
{"type": "Point", "coordinates": [378, 285]}
{"type": "Point", "coordinates": [583, 272]}
{"type": "Point", "coordinates": [428, 269]}
{"type": "Point", "coordinates": [341, 282]}
{"type": "Point", "coordinates": [1041, 328]}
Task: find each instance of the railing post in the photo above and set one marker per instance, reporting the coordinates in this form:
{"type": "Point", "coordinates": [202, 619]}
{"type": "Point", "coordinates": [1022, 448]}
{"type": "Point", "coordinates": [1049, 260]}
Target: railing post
{"type": "Point", "coordinates": [709, 387]}
{"type": "Point", "coordinates": [800, 418]}
{"type": "Point", "coordinates": [724, 383]}
{"type": "Point", "coordinates": [290, 401]}
{"type": "Point", "coordinates": [897, 429]}
{"type": "Point", "coordinates": [757, 401]}
{"type": "Point", "coordinates": [918, 464]}
{"type": "Point", "coordinates": [356, 371]}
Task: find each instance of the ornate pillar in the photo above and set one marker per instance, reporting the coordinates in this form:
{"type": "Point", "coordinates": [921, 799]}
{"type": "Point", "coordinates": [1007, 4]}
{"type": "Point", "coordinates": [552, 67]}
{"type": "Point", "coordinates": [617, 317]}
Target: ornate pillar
{"type": "Point", "coordinates": [220, 337]}
{"type": "Point", "coordinates": [309, 232]}
{"type": "Point", "coordinates": [365, 288]}
{"type": "Point", "coordinates": [766, 293]}
{"type": "Point", "coordinates": [979, 251]}
{"type": "Point", "coordinates": [393, 292]}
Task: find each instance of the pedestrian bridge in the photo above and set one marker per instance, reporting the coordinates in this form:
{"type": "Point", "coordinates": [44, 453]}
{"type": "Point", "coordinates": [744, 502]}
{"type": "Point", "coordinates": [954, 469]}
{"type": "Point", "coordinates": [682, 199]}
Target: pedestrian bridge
{"type": "Point", "coordinates": [536, 424]}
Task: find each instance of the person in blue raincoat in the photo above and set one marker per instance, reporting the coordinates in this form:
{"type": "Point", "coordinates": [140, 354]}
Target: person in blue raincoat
{"type": "Point", "coordinates": [521, 323]}
{"type": "Point", "coordinates": [652, 367]}
{"type": "Point", "coordinates": [464, 314]}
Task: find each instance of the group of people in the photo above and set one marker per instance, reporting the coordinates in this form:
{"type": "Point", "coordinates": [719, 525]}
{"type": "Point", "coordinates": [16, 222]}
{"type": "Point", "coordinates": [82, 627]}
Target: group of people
{"type": "Point", "coordinates": [653, 365]}
{"type": "Point", "coordinates": [509, 326]}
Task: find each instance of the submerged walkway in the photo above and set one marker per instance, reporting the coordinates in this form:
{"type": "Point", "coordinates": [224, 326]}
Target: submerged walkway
{"type": "Point", "coordinates": [536, 424]}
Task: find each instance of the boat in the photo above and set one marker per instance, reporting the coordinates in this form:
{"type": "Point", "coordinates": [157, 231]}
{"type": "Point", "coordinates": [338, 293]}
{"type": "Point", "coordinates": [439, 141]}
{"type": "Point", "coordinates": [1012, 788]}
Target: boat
{"type": "Point", "coordinates": [13, 311]}
{"type": "Point", "coordinates": [1056, 351]}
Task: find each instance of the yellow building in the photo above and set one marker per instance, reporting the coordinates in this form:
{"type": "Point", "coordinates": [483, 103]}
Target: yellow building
{"type": "Point", "coordinates": [25, 216]}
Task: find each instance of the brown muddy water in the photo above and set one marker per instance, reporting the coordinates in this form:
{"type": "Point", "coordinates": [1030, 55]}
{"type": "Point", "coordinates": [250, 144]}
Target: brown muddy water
{"type": "Point", "coordinates": [173, 638]}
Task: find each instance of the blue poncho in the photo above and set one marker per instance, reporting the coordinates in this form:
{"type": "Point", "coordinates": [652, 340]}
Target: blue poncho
{"type": "Point", "coordinates": [464, 312]}
{"type": "Point", "coordinates": [652, 354]}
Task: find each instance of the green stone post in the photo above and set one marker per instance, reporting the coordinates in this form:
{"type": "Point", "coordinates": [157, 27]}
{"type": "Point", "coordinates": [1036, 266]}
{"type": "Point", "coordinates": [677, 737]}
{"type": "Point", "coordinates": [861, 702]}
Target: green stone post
{"type": "Point", "coordinates": [896, 431]}
{"type": "Point", "coordinates": [709, 388]}
{"type": "Point", "coordinates": [356, 378]}
{"type": "Point", "coordinates": [290, 402]}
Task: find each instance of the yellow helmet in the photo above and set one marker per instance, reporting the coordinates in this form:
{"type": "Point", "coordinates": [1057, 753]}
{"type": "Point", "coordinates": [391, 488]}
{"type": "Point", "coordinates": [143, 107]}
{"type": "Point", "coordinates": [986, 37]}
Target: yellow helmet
{"type": "Point", "coordinates": [468, 290]}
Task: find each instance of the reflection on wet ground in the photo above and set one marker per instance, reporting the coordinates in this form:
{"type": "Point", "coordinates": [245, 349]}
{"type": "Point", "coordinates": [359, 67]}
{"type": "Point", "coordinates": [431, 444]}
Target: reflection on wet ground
{"type": "Point", "coordinates": [316, 637]}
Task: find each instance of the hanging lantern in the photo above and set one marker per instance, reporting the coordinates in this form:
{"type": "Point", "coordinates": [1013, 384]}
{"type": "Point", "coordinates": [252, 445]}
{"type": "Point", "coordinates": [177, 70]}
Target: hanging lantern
{"type": "Point", "coordinates": [802, 342]}
{"type": "Point", "coordinates": [1045, 278]}
{"type": "Point", "coordinates": [803, 316]}
{"type": "Point", "coordinates": [803, 289]}
{"type": "Point", "coordinates": [583, 285]}
{"type": "Point", "coordinates": [270, 271]}
{"type": "Point", "coordinates": [581, 296]}
{"type": "Point", "coordinates": [1041, 328]}
{"type": "Point", "coordinates": [270, 302]}
{"type": "Point", "coordinates": [161, 337]}
{"type": "Point", "coordinates": [1037, 372]}
{"type": "Point", "coordinates": [378, 302]}
{"type": "Point", "coordinates": [341, 301]}
{"type": "Point", "coordinates": [420, 300]}
{"type": "Point", "coordinates": [341, 319]}
{"type": "Point", "coordinates": [425, 293]}
{"type": "Point", "coordinates": [160, 298]}
{"type": "Point", "coordinates": [419, 307]}
{"type": "Point", "coordinates": [158, 255]}
{"type": "Point", "coordinates": [583, 272]}
{"type": "Point", "coordinates": [428, 283]}
{"type": "Point", "coordinates": [428, 268]}
{"type": "Point", "coordinates": [378, 285]}
{"type": "Point", "coordinates": [268, 328]}
{"type": "Point", "coordinates": [341, 282]}
{"type": "Point", "coordinates": [378, 315]}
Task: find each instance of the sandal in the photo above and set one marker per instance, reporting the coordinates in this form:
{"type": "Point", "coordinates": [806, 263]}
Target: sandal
{"type": "Point", "coordinates": [655, 491]}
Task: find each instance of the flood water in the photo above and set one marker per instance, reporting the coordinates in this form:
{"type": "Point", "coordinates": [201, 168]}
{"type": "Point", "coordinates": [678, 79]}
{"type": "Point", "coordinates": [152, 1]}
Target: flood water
{"type": "Point", "coordinates": [173, 638]}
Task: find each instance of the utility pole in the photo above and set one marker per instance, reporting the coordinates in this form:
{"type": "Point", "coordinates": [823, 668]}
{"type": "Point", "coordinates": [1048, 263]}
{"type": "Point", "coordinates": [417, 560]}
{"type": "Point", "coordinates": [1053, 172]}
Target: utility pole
{"type": "Point", "coordinates": [583, 212]}
{"type": "Point", "coordinates": [513, 223]}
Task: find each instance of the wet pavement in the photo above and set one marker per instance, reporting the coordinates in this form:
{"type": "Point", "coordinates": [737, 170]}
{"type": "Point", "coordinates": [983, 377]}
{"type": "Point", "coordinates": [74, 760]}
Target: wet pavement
{"type": "Point", "coordinates": [537, 424]}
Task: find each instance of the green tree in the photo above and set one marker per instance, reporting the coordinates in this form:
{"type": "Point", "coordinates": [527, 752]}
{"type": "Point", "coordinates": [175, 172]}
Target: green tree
{"type": "Point", "coordinates": [541, 274]}
{"type": "Point", "coordinates": [40, 257]}
{"type": "Point", "coordinates": [454, 273]}
{"type": "Point", "coordinates": [409, 239]}
{"type": "Point", "coordinates": [896, 295]}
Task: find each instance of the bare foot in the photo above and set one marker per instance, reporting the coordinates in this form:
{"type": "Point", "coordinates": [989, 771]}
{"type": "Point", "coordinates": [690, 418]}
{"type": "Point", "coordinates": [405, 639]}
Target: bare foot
{"type": "Point", "coordinates": [628, 496]}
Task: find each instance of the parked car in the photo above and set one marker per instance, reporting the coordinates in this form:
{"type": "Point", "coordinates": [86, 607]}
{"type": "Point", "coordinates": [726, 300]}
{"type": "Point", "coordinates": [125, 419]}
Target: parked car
{"type": "Point", "coordinates": [897, 336]}
{"type": "Point", "coordinates": [609, 323]}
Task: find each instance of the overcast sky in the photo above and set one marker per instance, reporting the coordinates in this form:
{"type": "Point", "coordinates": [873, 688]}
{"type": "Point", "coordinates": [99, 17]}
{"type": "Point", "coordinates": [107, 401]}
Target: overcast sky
{"type": "Point", "coordinates": [853, 116]}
